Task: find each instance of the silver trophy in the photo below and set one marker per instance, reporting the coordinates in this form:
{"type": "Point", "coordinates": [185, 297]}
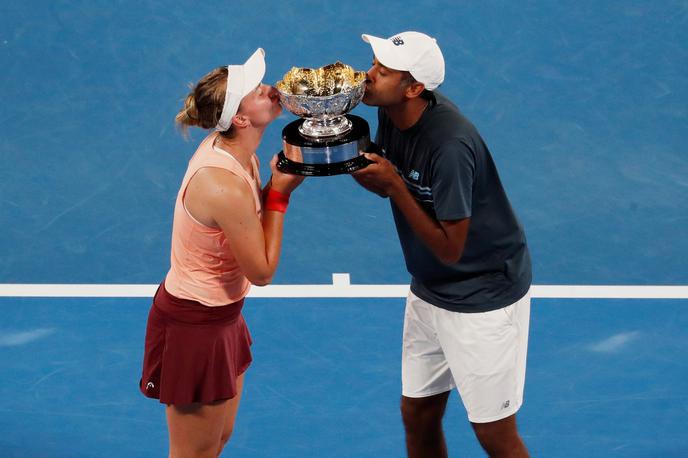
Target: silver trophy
{"type": "Point", "coordinates": [327, 140]}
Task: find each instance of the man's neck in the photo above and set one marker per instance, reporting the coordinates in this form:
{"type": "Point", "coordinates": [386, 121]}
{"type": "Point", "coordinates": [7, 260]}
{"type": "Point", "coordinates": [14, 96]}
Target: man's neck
{"type": "Point", "coordinates": [406, 114]}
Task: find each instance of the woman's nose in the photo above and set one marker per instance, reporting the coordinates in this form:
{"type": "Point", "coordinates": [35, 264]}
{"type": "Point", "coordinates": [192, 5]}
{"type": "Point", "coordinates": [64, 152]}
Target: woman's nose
{"type": "Point", "coordinates": [272, 92]}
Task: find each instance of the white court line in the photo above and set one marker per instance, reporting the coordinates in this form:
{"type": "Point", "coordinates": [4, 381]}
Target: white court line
{"type": "Point", "coordinates": [341, 287]}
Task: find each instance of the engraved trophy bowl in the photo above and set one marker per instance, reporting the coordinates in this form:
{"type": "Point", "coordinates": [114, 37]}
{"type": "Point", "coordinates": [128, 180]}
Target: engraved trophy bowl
{"type": "Point", "coordinates": [327, 140]}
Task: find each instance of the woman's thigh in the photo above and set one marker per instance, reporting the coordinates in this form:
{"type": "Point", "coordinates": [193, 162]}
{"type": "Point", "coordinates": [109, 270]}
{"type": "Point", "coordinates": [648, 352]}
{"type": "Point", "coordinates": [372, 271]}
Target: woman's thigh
{"type": "Point", "coordinates": [196, 430]}
{"type": "Point", "coordinates": [232, 408]}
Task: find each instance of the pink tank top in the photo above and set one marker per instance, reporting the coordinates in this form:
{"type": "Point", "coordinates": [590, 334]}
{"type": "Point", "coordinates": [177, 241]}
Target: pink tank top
{"type": "Point", "coordinates": [202, 266]}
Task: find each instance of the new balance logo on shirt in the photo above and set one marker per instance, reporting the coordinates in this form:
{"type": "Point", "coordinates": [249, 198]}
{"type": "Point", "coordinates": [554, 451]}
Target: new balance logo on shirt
{"type": "Point", "coordinates": [422, 194]}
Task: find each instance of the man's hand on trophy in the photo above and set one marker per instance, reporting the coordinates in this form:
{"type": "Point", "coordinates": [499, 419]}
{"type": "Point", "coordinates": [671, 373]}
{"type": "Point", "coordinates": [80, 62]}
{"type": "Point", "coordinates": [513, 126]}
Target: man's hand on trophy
{"type": "Point", "coordinates": [379, 176]}
{"type": "Point", "coordinates": [283, 182]}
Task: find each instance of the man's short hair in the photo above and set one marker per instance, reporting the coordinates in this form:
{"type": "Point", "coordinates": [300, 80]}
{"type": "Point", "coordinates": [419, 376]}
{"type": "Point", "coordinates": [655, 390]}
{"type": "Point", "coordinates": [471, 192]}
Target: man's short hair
{"type": "Point", "coordinates": [408, 79]}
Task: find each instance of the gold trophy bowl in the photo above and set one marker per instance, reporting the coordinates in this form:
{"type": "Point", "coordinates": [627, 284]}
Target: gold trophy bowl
{"type": "Point", "coordinates": [323, 97]}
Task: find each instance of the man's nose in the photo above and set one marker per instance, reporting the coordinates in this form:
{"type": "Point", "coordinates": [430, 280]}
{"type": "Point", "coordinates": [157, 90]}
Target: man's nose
{"type": "Point", "coordinates": [369, 74]}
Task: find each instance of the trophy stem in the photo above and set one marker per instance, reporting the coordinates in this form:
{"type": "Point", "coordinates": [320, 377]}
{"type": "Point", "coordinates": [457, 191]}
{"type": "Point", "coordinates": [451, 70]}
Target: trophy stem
{"type": "Point", "coordinates": [323, 128]}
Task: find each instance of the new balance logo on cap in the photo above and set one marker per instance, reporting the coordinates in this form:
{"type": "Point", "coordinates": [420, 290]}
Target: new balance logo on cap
{"type": "Point", "coordinates": [397, 41]}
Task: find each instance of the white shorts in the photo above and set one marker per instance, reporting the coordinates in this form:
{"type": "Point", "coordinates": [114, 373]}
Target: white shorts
{"type": "Point", "coordinates": [481, 354]}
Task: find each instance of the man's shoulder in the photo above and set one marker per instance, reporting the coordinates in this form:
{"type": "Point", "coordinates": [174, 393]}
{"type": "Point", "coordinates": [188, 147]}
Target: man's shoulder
{"type": "Point", "coordinates": [443, 113]}
{"type": "Point", "coordinates": [447, 125]}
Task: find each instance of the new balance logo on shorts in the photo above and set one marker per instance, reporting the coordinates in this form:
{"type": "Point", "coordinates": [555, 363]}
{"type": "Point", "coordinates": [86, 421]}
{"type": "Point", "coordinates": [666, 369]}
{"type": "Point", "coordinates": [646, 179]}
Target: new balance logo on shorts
{"type": "Point", "coordinates": [397, 41]}
{"type": "Point", "coordinates": [150, 385]}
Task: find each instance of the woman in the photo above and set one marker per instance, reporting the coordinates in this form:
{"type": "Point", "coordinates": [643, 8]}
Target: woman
{"type": "Point", "coordinates": [226, 234]}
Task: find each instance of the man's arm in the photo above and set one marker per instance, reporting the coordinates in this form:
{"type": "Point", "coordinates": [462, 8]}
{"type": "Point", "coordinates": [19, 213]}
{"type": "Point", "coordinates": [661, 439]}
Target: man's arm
{"type": "Point", "coordinates": [446, 239]}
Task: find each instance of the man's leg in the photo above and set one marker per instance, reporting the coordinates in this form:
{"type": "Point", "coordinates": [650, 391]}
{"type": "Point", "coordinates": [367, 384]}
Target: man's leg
{"type": "Point", "coordinates": [423, 424]}
{"type": "Point", "coordinates": [426, 382]}
{"type": "Point", "coordinates": [500, 438]}
{"type": "Point", "coordinates": [487, 354]}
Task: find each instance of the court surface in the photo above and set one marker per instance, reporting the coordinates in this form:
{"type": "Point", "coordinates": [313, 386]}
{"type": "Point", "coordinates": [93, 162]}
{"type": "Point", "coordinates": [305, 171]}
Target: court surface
{"type": "Point", "coordinates": [584, 106]}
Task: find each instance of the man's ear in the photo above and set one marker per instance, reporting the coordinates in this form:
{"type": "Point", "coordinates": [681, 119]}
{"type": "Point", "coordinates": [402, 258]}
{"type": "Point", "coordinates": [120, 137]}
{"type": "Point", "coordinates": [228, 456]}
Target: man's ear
{"type": "Point", "coordinates": [241, 121]}
{"type": "Point", "coordinates": [413, 90]}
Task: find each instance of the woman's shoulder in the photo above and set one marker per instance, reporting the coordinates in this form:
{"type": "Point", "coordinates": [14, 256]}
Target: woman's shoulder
{"type": "Point", "coordinates": [218, 181]}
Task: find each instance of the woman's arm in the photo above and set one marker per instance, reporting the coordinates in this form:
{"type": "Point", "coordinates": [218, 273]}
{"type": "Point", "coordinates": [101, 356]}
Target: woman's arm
{"type": "Point", "coordinates": [219, 198]}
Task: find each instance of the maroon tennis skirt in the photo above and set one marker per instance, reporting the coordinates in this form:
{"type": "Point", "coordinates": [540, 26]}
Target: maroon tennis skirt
{"type": "Point", "coordinates": [193, 353]}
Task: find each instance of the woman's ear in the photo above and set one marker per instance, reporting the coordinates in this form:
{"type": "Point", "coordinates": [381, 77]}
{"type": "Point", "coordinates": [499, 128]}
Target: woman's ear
{"type": "Point", "coordinates": [241, 121]}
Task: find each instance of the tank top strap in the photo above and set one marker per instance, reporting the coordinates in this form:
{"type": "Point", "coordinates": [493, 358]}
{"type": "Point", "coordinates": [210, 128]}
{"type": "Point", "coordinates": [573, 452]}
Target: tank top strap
{"type": "Point", "coordinates": [210, 155]}
{"type": "Point", "coordinates": [255, 163]}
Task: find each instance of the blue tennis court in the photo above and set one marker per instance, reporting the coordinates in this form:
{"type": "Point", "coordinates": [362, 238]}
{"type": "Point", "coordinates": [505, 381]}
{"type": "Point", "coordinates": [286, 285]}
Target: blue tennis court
{"type": "Point", "coordinates": [583, 106]}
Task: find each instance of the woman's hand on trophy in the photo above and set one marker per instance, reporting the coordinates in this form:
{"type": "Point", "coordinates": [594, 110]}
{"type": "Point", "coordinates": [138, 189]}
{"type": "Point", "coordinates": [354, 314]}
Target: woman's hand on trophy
{"type": "Point", "coordinates": [283, 182]}
{"type": "Point", "coordinates": [379, 176]}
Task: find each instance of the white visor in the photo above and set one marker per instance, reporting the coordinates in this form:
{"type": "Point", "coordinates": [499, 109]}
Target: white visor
{"type": "Point", "coordinates": [241, 80]}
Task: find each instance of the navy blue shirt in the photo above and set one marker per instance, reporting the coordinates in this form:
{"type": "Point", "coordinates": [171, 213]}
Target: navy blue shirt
{"type": "Point", "coordinates": [449, 170]}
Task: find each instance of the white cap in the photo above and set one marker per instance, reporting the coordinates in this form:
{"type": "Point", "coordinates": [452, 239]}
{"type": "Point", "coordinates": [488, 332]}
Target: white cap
{"type": "Point", "coordinates": [413, 52]}
{"type": "Point", "coordinates": [241, 80]}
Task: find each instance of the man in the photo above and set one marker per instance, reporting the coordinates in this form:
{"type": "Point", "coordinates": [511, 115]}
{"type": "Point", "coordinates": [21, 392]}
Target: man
{"type": "Point", "coordinates": [467, 313]}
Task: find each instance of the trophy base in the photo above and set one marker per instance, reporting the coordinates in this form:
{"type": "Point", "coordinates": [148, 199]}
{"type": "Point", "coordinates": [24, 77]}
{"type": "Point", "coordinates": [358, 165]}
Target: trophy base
{"type": "Point", "coordinates": [286, 165]}
{"type": "Point", "coordinates": [324, 156]}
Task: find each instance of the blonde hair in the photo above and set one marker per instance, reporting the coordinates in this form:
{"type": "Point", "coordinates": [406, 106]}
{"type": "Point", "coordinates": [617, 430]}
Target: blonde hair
{"type": "Point", "coordinates": [203, 106]}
